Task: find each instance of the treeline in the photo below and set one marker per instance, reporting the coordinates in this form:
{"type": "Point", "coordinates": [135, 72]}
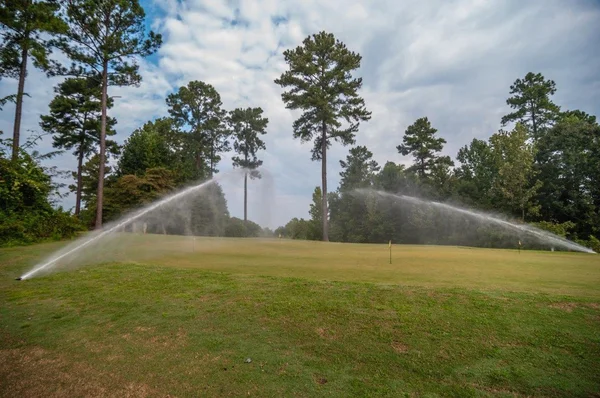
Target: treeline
{"type": "Point", "coordinates": [544, 171]}
{"type": "Point", "coordinates": [103, 41]}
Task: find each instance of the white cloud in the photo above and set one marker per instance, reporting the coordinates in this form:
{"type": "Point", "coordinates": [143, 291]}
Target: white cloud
{"type": "Point", "coordinates": [450, 61]}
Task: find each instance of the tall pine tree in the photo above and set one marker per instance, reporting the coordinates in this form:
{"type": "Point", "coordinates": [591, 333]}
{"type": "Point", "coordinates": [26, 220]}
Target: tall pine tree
{"type": "Point", "coordinates": [532, 104]}
{"type": "Point", "coordinates": [246, 125]}
{"type": "Point", "coordinates": [321, 85]}
{"type": "Point", "coordinates": [105, 38]}
{"type": "Point", "coordinates": [24, 27]}
{"type": "Point", "coordinates": [74, 121]}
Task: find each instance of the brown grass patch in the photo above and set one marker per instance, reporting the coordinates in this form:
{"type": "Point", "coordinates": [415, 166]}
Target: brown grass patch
{"type": "Point", "coordinates": [399, 347]}
{"type": "Point", "coordinates": [568, 307]}
{"type": "Point", "coordinates": [36, 372]}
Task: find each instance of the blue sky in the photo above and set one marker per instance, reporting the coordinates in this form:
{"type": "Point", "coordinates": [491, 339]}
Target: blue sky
{"type": "Point", "coordinates": [452, 61]}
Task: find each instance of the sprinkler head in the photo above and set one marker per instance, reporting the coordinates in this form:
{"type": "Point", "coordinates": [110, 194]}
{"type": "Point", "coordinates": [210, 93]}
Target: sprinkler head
{"type": "Point", "coordinates": [18, 279]}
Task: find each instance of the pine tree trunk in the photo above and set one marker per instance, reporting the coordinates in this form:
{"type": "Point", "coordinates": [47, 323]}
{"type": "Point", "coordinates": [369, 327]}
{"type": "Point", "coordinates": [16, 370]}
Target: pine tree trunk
{"type": "Point", "coordinates": [245, 197]}
{"type": "Point", "coordinates": [79, 182]}
{"type": "Point", "coordinates": [19, 102]}
{"type": "Point", "coordinates": [246, 189]}
{"type": "Point", "coordinates": [100, 194]}
{"type": "Point", "coordinates": [324, 183]}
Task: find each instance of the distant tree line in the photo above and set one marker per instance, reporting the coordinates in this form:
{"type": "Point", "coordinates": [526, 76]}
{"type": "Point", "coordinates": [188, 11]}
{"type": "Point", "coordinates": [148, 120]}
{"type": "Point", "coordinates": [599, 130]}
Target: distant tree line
{"type": "Point", "coordinates": [543, 169]}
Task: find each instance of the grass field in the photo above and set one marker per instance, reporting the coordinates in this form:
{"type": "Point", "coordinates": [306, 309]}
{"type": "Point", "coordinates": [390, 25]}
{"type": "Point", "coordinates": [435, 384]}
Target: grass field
{"type": "Point", "coordinates": [173, 316]}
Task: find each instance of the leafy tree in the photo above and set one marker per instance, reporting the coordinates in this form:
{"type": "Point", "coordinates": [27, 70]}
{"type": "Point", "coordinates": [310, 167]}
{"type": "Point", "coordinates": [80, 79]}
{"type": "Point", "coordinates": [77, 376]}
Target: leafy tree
{"type": "Point", "coordinates": [27, 214]}
{"type": "Point", "coordinates": [321, 85]}
{"type": "Point", "coordinates": [421, 142]}
{"type": "Point", "coordinates": [353, 215]}
{"type": "Point", "coordinates": [297, 229]}
{"type": "Point", "coordinates": [146, 148]}
{"type": "Point", "coordinates": [209, 213]}
{"type": "Point", "coordinates": [568, 160]}
{"type": "Point", "coordinates": [130, 191]}
{"type": "Point", "coordinates": [103, 37]}
{"type": "Point", "coordinates": [197, 109]}
{"type": "Point", "coordinates": [246, 125]}
{"type": "Point", "coordinates": [358, 170]}
{"type": "Point", "coordinates": [515, 185]}
{"type": "Point", "coordinates": [242, 228]}
{"type": "Point", "coordinates": [532, 104]}
{"type": "Point", "coordinates": [476, 173]}
{"type": "Point", "coordinates": [24, 27]}
{"type": "Point", "coordinates": [74, 121]}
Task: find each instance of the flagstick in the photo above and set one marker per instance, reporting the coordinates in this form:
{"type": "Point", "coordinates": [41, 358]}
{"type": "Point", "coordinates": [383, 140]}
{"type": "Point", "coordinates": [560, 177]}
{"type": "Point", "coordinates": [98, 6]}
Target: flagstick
{"type": "Point", "coordinates": [390, 244]}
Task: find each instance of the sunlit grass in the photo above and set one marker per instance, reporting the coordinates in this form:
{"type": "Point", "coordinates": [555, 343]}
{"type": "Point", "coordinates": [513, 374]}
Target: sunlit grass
{"type": "Point", "coordinates": [178, 316]}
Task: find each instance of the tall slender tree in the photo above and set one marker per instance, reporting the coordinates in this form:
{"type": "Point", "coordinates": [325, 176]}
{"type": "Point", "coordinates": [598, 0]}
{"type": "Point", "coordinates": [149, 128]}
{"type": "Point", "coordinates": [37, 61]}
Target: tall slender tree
{"type": "Point", "coordinates": [246, 126]}
{"type": "Point", "coordinates": [532, 104]}
{"type": "Point", "coordinates": [321, 85]}
{"type": "Point", "coordinates": [25, 26]}
{"type": "Point", "coordinates": [105, 38]}
{"type": "Point", "coordinates": [197, 108]}
{"type": "Point", "coordinates": [74, 121]}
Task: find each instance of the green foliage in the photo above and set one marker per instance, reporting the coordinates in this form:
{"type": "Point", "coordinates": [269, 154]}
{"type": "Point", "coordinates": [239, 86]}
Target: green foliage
{"type": "Point", "coordinates": [25, 26]}
{"type": "Point", "coordinates": [238, 228]}
{"type": "Point", "coordinates": [146, 148]}
{"type": "Point", "coordinates": [102, 39]}
{"type": "Point", "coordinates": [515, 184]}
{"type": "Point", "coordinates": [532, 104]}
{"type": "Point", "coordinates": [568, 161]}
{"type": "Point", "coordinates": [131, 191]}
{"type": "Point", "coordinates": [26, 212]}
{"type": "Point", "coordinates": [197, 109]}
{"type": "Point", "coordinates": [421, 142]}
{"type": "Point", "coordinates": [245, 126]}
{"type": "Point", "coordinates": [316, 216]}
{"type": "Point", "coordinates": [321, 86]}
{"type": "Point", "coordinates": [74, 122]}
{"type": "Point", "coordinates": [104, 36]}
{"type": "Point", "coordinates": [562, 229]}
{"type": "Point", "coordinates": [358, 170]}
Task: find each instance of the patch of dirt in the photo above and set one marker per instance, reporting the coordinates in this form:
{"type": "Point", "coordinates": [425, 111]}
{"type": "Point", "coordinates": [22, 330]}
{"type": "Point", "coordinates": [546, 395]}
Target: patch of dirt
{"type": "Point", "coordinates": [320, 380]}
{"type": "Point", "coordinates": [399, 347]}
{"type": "Point", "coordinates": [35, 372]}
{"type": "Point", "coordinates": [568, 307]}
{"type": "Point", "coordinates": [325, 333]}
{"type": "Point", "coordinates": [595, 306]}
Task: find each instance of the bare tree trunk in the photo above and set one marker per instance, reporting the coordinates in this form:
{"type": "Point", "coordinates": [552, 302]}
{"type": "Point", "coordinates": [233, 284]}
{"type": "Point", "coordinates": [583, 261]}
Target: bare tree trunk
{"type": "Point", "coordinates": [324, 183]}
{"type": "Point", "coordinates": [100, 195]}
{"type": "Point", "coordinates": [19, 102]}
{"type": "Point", "coordinates": [79, 182]}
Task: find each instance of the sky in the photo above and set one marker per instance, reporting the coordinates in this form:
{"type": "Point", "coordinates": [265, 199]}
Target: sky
{"type": "Point", "coordinates": [452, 61]}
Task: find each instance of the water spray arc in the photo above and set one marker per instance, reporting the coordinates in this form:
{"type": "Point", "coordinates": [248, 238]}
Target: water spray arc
{"type": "Point", "coordinates": [82, 243]}
{"type": "Point", "coordinates": [541, 234]}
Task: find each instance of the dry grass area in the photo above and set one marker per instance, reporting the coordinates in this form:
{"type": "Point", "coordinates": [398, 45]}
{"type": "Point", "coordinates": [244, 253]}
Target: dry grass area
{"type": "Point", "coordinates": [431, 266]}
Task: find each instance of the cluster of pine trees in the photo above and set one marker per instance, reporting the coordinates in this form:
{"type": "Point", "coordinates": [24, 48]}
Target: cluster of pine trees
{"type": "Point", "coordinates": [544, 169]}
{"type": "Point", "coordinates": [103, 40]}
